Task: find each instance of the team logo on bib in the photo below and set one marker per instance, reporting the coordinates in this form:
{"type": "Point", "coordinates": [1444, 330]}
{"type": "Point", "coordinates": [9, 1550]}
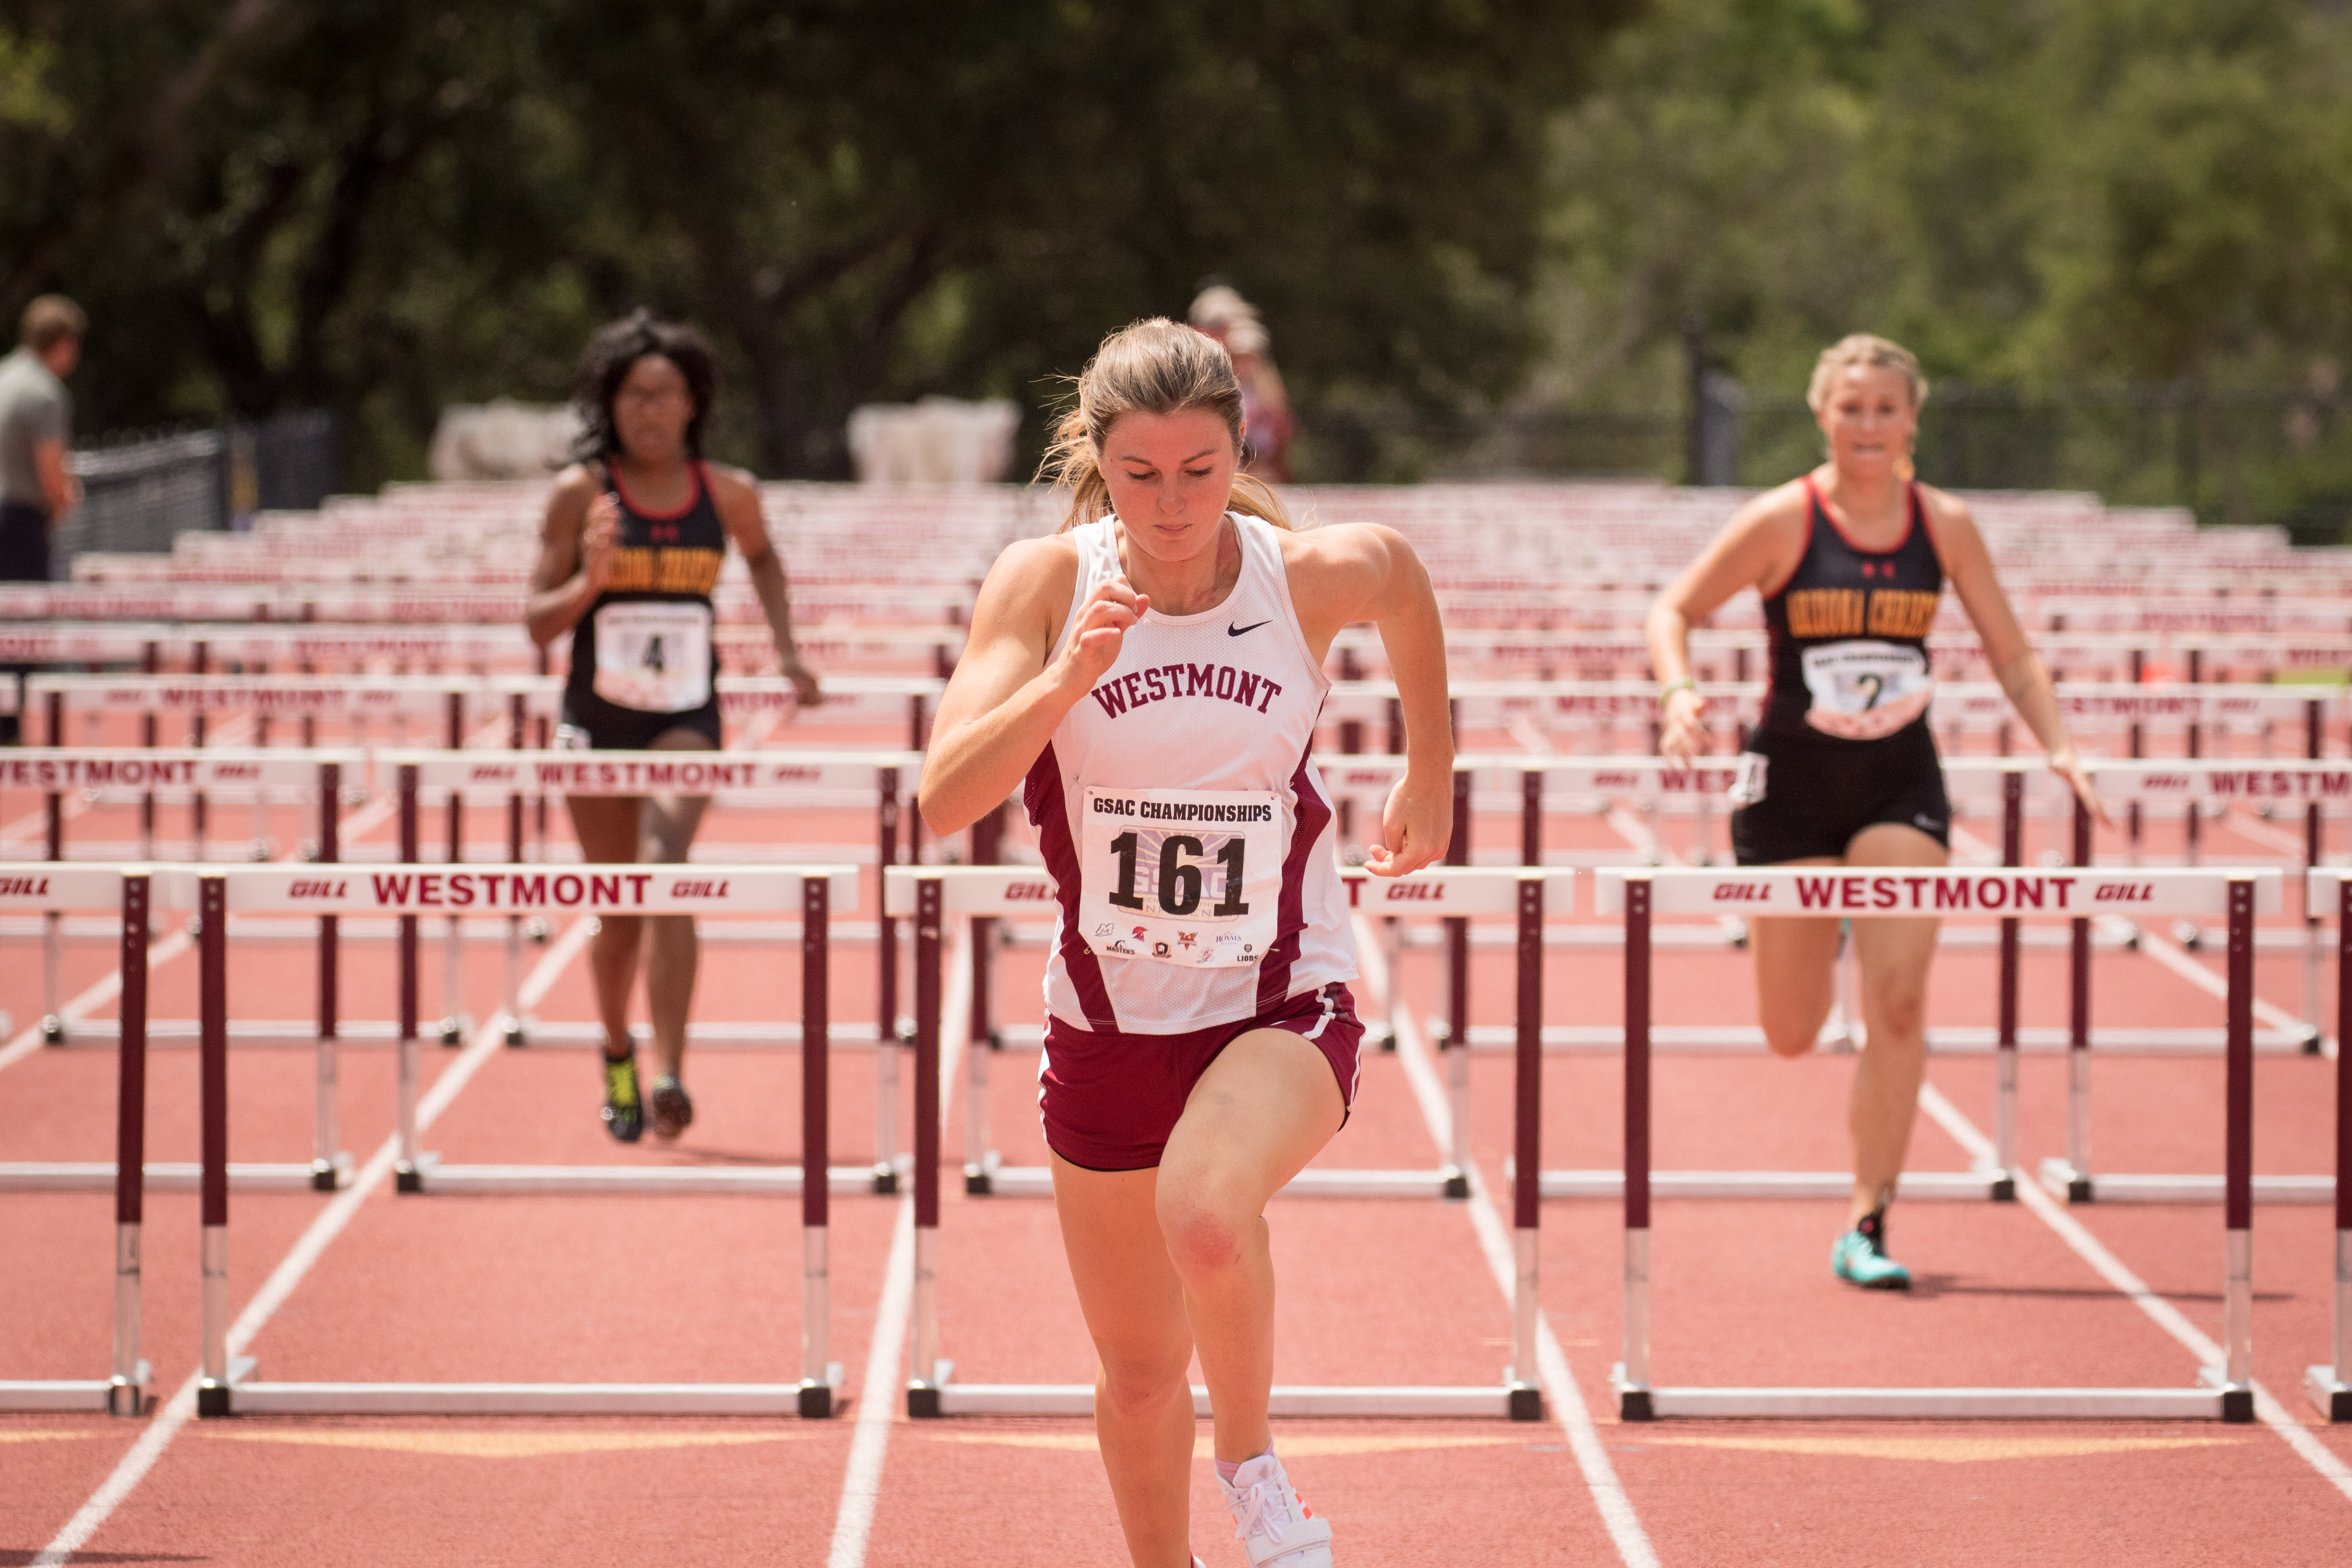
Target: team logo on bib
{"type": "Point", "coordinates": [1192, 876]}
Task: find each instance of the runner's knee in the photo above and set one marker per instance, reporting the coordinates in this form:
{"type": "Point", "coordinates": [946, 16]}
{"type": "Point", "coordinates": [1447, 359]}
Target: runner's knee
{"type": "Point", "coordinates": [1205, 1233]}
{"type": "Point", "coordinates": [1138, 1383]}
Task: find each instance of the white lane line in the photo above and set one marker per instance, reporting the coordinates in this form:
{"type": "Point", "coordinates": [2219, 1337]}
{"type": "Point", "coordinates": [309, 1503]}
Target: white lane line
{"type": "Point", "coordinates": [877, 1394]}
{"type": "Point", "coordinates": [487, 1042]}
{"type": "Point", "coordinates": [1616, 1510]}
{"type": "Point", "coordinates": [28, 1040]}
{"type": "Point", "coordinates": [2111, 1268]}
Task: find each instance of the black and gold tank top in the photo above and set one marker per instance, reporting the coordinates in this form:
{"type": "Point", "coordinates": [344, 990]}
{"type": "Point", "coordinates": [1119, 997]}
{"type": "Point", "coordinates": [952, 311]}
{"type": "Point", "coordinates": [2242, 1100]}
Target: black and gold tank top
{"type": "Point", "coordinates": [644, 645]}
{"type": "Point", "coordinates": [1848, 631]}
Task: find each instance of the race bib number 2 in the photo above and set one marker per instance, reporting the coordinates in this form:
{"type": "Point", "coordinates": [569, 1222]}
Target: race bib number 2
{"type": "Point", "coordinates": [1184, 877]}
{"type": "Point", "coordinates": [654, 657]}
{"type": "Point", "coordinates": [1862, 690]}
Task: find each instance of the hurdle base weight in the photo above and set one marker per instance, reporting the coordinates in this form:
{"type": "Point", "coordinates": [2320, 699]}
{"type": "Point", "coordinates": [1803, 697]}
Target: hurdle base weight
{"type": "Point", "coordinates": [217, 1399]}
{"type": "Point", "coordinates": [818, 1400]}
{"type": "Point", "coordinates": [2237, 1398]}
{"type": "Point", "coordinates": [128, 1395]}
{"type": "Point", "coordinates": [53, 1030]}
{"type": "Point", "coordinates": [2063, 1180]}
{"type": "Point", "coordinates": [979, 1176]}
{"type": "Point", "coordinates": [2329, 1394]}
{"type": "Point", "coordinates": [923, 1393]}
{"type": "Point", "coordinates": [1633, 1398]}
{"type": "Point", "coordinates": [410, 1178]}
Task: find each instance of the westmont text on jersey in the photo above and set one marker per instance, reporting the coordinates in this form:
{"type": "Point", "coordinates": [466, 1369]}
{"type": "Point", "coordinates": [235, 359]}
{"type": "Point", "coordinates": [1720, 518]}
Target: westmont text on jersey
{"type": "Point", "coordinates": [1122, 692]}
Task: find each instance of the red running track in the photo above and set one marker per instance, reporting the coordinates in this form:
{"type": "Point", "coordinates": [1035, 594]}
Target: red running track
{"type": "Point", "coordinates": [624, 1288]}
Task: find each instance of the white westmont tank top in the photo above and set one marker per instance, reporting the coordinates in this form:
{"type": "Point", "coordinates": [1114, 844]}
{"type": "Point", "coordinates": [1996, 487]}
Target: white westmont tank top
{"type": "Point", "coordinates": [1187, 832]}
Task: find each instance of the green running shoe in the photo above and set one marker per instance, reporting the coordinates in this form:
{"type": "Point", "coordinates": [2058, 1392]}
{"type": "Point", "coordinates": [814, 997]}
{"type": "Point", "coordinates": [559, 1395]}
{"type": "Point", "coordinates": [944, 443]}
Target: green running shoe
{"type": "Point", "coordinates": [625, 1110]}
{"type": "Point", "coordinates": [1859, 1256]}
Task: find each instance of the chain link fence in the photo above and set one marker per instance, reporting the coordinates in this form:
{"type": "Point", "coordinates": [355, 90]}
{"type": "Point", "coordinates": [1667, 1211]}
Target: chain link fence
{"type": "Point", "coordinates": [142, 490]}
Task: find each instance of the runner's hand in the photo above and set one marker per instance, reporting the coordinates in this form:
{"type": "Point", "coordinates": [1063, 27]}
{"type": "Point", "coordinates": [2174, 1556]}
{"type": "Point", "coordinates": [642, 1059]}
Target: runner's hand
{"type": "Point", "coordinates": [1100, 633]}
{"type": "Point", "coordinates": [805, 690]}
{"type": "Point", "coordinates": [599, 540]}
{"type": "Point", "coordinates": [2068, 766]}
{"type": "Point", "coordinates": [1415, 827]}
{"type": "Point", "coordinates": [1683, 735]}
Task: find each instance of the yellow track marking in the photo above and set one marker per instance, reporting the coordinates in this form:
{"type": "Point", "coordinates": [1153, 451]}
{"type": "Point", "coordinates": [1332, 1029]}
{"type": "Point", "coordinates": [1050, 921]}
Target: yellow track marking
{"type": "Point", "coordinates": [1307, 1448]}
{"type": "Point", "coordinates": [1945, 1450]}
{"type": "Point", "coordinates": [463, 1445]}
{"type": "Point", "coordinates": [48, 1435]}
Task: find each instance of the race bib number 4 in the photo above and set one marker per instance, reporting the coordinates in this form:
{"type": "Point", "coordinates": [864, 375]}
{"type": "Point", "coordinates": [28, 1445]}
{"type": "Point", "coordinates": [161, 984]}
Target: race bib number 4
{"type": "Point", "coordinates": [654, 657]}
{"type": "Point", "coordinates": [1862, 690]}
{"type": "Point", "coordinates": [1185, 876]}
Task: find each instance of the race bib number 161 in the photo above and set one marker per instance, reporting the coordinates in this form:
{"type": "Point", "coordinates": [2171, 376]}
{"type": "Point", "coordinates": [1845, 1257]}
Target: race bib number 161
{"type": "Point", "coordinates": [1185, 876]}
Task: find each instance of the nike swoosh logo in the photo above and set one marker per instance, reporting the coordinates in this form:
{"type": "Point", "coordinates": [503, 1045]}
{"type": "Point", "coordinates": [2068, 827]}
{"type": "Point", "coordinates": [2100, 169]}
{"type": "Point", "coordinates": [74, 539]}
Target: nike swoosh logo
{"type": "Point", "coordinates": [1233, 631]}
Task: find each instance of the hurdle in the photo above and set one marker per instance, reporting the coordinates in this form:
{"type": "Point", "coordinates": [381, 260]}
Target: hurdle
{"type": "Point", "coordinates": [2225, 1393]}
{"type": "Point", "coordinates": [989, 892]}
{"type": "Point", "coordinates": [2330, 1386]}
{"type": "Point", "coordinates": [746, 778]}
{"type": "Point", "coordinates": [2071, 1176]}
{"type": "Point", "coordinates": [227, 1388]}
{"type": "Point", "coordinates": [124, 1391]}
{"type": "Point", "coordinates": [931, 894]}
{"type": "Point", "coordinates": [55, 770]}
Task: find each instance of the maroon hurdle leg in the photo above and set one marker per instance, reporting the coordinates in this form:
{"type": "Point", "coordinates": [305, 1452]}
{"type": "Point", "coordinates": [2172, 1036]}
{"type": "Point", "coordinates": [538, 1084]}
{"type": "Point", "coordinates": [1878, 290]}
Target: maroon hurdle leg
{"type": "Point", "coordinates": [2330, 1386]}
{"type": "Point", "coordinates": [126, 1392]}
{"type": "Point", "coordinates": [2079, 1188]}
{"type": "Point", "coordinates": [2012, 853]}
{"type": "Point", "coordinates": [1455, 1043]}
{"type": "Point", "coordinates": [408, 1171]}
{"type": "Point", "coordinates": [212, 1015]}
{"type": "Point", "coordinates": [929, 1373]}
{"type": "Point", "coordinates": [325, 1174]}
{"type": "Point", "coordinates": [886, 1036]}
{"type": "Point", "coordinates": [819, 1375]}
{"type": "Point", "coordinates": [2238, 1165]}
{"type": "Point", "coordinates": [1526, 1378]}
{"type": "Point", "coordinates": [1632, 1378]}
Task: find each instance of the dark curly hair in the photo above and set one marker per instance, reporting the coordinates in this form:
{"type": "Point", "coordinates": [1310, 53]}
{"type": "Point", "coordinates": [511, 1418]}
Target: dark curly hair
{"type": "Point", "coordinates": [611, 353]}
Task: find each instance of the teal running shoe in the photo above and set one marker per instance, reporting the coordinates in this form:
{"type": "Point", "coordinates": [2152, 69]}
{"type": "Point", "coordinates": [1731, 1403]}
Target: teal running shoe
{"type": "Point", "coordinates": [1859, 1256]}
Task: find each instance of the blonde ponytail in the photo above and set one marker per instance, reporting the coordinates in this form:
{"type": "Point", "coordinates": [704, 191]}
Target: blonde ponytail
{"type": "Point", "coordinates": [1154, 367]}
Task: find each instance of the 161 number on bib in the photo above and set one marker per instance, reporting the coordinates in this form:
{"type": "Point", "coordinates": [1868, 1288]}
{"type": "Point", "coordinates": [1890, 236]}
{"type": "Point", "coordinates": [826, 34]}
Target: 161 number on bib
{"type": "Point", "coordinates": [1185, 876]}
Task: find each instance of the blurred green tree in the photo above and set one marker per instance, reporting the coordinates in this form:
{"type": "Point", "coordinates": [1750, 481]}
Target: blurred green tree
{"type": "Point", "coordinates": [383, 205]}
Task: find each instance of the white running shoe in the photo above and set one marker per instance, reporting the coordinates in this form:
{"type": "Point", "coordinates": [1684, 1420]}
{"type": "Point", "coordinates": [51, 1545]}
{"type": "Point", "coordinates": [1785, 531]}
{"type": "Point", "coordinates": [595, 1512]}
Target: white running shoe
{"type": "Point", "coordinates": [1273, 1525]}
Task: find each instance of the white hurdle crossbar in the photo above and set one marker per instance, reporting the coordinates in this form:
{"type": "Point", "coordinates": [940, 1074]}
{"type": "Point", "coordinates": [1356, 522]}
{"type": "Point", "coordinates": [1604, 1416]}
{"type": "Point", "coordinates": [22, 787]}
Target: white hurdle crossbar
{"type": "Point", "coordinates": [405, 892]}
{"type": "Point", "coordinates": [2225, 1392]}
{"type": "Point", "coordinates": [932, 895]}
{"type": "Point", "coordinates": [124, 1391]}
{"type": "Point", "coordinates": [2330, 1386]}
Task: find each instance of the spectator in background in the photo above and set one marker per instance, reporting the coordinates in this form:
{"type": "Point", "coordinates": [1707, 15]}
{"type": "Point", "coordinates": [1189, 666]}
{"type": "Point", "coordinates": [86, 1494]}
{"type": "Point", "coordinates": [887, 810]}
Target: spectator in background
{"type": "Point", "coordinates": [1266, 425]}
{"type": "Point", "coordinates": [37, 490]}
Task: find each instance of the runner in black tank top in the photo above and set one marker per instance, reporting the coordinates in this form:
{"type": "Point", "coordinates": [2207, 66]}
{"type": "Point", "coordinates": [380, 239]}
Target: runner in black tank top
{"type": "Point", "coordinates": [1851, 563]}
{"type": "Point", "coordinates": [1846, 712]}
{"type": "Point", "coordinates": [619, 696]}
{"type": "Point", "coordinates": [630, 551]}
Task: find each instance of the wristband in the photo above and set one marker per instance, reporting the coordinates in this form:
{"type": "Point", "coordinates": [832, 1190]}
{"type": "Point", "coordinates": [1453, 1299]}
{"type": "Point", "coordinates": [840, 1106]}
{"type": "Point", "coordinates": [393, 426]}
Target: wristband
{"type": "Point", "coordinates": [1670, 687]}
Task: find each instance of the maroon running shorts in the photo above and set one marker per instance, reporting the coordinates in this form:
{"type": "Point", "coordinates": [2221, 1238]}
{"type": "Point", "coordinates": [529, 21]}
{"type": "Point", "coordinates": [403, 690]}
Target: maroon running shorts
{"type": "Point", "coordinates": [1110, 1100]}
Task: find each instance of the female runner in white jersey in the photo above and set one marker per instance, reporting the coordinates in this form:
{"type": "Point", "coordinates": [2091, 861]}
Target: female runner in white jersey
{"type": "Point", "coordinates": [1154, 672]}
{"type": "Point", "coordinates": [1851, 561]}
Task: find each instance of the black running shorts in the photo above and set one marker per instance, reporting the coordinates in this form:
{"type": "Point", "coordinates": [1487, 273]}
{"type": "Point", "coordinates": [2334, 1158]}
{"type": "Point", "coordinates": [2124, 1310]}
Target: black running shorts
{"type": "Point", "coordinates": [1818, 791]}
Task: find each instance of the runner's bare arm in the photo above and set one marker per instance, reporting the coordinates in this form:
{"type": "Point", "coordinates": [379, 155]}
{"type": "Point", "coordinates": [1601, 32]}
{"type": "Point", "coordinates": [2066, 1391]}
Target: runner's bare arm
{"type": "Point", "coordinates": [738, 499]}
{"type": "Point", "coordinates": [1365, 573]}
{"type": "Point", "coordinates": [1757, 549]}
{"type": "Point", "coordinates": [576, 540]}
{"type": "Point", "coordinates": [1004, 701]}
{"type": "Point", "coordinates": [2022, 676]}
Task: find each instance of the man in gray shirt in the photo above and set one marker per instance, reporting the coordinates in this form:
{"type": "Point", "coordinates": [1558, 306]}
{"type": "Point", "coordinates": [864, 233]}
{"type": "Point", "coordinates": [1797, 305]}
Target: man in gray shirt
{"type": "Point", "coordinates": [37, 490]}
